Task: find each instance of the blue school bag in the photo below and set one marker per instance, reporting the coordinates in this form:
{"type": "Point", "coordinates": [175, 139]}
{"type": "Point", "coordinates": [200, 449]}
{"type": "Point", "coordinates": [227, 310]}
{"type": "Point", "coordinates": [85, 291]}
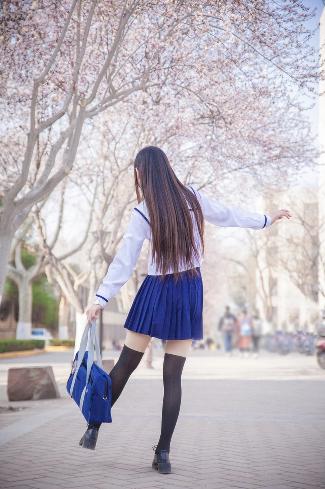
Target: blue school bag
{"type": "Point", "coordinates": [88, 384]}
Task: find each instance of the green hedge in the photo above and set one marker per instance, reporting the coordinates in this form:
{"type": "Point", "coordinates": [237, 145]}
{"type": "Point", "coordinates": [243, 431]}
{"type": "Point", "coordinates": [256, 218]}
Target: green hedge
{"type": "Point", "coordinates": [58, 342]}
{"type": "Point", "coordinates": [20, 345]}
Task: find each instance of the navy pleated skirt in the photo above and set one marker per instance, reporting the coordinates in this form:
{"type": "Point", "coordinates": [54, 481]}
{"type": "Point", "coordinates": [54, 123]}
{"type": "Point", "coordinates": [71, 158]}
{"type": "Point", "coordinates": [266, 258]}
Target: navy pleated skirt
{"type": "Point", "coordinates": [168, 308]}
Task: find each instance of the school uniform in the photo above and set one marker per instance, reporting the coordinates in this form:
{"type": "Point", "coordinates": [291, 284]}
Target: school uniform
{"type": "Point", "coordinates": [166, 307]}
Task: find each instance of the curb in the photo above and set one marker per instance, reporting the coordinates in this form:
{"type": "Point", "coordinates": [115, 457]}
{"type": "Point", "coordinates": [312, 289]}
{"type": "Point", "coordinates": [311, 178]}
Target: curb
{"type": "Point", "coordinates": [58, 348]}
{"type": "Point", "coordinates": [36, 351]}
{"type": "Point", "coordinates": [22, 353]}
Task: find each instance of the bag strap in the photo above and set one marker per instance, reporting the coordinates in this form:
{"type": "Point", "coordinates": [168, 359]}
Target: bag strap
{"type": "Point", "coordinates": [81, 352]}
{"type": "Point", "coordinates": [97, 348]}
{"type": "Point", "coordinates": [89, 336]}
{"type": "Point", "coordinates": [93, 347]}
{"type": "Point", "coordinates": [90, 357]}
{"type": "Point", "coordinates": [90, 339]}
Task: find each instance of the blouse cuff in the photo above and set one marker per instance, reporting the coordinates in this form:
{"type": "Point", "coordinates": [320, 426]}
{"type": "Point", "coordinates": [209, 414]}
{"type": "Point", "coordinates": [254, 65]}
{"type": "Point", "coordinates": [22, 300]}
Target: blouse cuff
{"type": "Point", "coordinates": [101, 301]}
{"type": "Point", "coordinates": [267, 221]}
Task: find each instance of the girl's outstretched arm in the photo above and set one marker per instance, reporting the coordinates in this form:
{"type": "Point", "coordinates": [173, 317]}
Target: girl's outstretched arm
{"type": "Point", "coordinates": [221, 215]}
{"type": "Point", "coordinates": [122, 266]}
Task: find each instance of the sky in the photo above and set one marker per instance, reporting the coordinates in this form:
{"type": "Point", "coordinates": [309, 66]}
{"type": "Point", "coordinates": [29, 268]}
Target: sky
{"type": "Point", "coordinates": [318, 4]}
{"type": "Point", "coordinates": [310, 177]}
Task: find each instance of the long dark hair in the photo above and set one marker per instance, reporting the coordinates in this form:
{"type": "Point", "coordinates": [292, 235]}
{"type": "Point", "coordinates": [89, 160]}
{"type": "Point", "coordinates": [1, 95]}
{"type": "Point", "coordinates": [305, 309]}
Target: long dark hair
{"type": "Point", "coordinates": [167, 199]}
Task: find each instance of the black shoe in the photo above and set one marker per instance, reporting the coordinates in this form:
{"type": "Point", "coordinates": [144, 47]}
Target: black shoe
{"type": "Point", "coordinates": [89, 439]}
{"type": "Point", "coordinates": [161, 462]}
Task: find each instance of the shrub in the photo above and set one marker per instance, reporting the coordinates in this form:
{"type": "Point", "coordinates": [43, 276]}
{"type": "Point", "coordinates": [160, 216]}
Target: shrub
{"type": "Point", "coordinates": [20, 345]}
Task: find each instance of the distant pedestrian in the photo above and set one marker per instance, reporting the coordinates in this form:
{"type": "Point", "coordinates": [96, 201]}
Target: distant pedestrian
{"type": "Point", "coordinates": [227, 325]}
{"type": "Point", "coordinates": [245, 331]}
{"type": "Point", "coordinates": [257, 331]}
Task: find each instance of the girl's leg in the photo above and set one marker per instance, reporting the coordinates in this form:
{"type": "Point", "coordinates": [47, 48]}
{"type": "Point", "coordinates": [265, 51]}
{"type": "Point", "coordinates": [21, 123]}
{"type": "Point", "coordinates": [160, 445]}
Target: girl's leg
{"type": "Point", "coordinates": [137, 341]}
{"type": "Point", "coordinates": [178, 347]}
{"type": "Point", "coordinates": [175, 355]}
{"type": "Point", "coordinates": [130, 357]}
{"type": "Point", "coordinates": [132, 352]}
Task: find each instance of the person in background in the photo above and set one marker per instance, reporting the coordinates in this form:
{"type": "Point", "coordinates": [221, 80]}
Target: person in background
{"type": "Point", "coordinates": [245, 331]}
{"type": "Point", "coordinates": [257, 331]}
{"type": "Point", "coordinates": [116, 345]}
{"type": "Point", "coordinates": [227, 326]}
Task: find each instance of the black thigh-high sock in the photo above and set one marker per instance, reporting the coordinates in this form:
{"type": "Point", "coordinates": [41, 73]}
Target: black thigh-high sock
{"type": "Point", "coordinates": [172, 376]}
{"type": "Point", "coordinates": [128, 361]}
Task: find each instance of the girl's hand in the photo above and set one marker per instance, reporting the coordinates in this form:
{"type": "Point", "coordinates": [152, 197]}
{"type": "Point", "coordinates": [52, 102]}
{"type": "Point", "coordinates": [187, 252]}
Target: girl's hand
{"type": "Point", "coordinates": [277, 216]}
{"type": "Point", "coordinates": [93, 311]}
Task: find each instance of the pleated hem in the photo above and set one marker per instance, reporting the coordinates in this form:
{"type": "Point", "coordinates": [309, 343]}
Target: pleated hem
{"type": "Point", "coordinates": [168, 309]}
{"type": "Point", "coordinates": [194, 338]}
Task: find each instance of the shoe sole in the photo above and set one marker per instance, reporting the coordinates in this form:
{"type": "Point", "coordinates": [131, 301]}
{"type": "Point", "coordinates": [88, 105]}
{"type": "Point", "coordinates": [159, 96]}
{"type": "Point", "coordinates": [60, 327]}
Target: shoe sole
{"type": "Point", "coordinates": [89, 447]}
{"type": "Point", "coordinates": [162, 468]}
{"type": "Point", "coordinates": [90, 444]}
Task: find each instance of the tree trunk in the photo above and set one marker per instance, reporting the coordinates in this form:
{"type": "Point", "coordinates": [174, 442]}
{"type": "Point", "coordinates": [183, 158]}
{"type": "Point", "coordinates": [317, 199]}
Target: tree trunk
{"type": "Point", "coordinates": [63, 318]}
{"type": "Point", "coordinates": [24, 326]}
{"type": "Point", "coordinates": [5, 245]}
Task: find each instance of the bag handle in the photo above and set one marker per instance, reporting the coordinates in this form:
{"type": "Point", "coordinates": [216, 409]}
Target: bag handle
{"type": "Point", "coordinates": [96, 344]}
{"type": "Point", "coordinates": [81, 352]}
{"type": "Point", "coordinates": [93, 347]}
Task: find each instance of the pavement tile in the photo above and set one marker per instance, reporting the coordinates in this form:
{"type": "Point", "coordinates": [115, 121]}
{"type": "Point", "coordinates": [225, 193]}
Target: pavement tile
{"type": "Point", "coordinates": [255, 434]}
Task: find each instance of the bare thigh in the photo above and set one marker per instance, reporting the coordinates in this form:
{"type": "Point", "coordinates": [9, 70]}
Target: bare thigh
{"type": "Point", "coordinates": [178, 347]}
{"type": "Point", "coordinates": [137, 341]}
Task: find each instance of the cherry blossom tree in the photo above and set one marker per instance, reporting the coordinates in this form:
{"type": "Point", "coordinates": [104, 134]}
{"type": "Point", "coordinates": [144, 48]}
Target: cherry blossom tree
{"type": "Point", "coordinates": [302, 257]}
{"type": "Point", "coordinates": [69, 62]}
{"type": "Point", "coordinates": [23, 277]}
{"type": "Point", "coordinates": [59, 264]}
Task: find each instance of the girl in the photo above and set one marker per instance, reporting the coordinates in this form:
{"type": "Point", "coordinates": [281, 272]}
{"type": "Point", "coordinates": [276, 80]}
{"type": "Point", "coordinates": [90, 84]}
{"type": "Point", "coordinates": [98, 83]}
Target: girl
{"type": "Point", "coordinates": [168, 304]}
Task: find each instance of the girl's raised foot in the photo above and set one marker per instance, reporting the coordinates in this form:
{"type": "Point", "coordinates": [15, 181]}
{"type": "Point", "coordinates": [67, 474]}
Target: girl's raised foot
{"type": "Point", "coordinates": [89, 439]}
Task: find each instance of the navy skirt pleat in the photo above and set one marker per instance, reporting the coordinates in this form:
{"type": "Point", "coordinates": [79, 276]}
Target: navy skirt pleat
{"type": "Point", "coordinates": [167, 308]}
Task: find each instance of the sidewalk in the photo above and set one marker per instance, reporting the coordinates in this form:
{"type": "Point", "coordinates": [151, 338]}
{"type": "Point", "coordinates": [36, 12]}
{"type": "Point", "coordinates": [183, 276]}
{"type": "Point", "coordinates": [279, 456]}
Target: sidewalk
{"type": "Point", "coordinates": [200, 364]}
{"type": "Point", "coordinates": [231, 433]}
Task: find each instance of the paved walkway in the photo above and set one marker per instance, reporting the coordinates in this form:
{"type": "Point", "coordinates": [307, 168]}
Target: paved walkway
{"type": "Point", "coordinates": [200, 364]}
{"type": "Point", "coordinates": [232, 433]}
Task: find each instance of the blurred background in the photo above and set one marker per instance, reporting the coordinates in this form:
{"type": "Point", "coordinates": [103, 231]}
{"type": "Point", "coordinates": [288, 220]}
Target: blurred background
{"type": "Point", "coordinates": [233, 92]}
{"type": "Point", "coordinates": [239, 114]}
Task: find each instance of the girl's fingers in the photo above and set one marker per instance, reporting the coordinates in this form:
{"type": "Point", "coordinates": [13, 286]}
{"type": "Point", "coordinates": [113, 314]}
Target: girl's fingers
{"type": "Point", "coordinates": [92, 314]}
{"type": "Point", "coordinates": [284, 213]}
{"type": "Point", "coordinates": [281, 214]}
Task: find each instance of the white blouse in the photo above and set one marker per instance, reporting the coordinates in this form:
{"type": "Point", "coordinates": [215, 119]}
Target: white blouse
{"type": "Point", "coordinates": [138, 229]}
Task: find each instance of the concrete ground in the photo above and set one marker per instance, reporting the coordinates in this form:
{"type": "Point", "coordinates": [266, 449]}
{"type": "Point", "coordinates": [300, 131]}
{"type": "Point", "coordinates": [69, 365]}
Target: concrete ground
{"type": "Point", "coordinates": [244, 423]}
